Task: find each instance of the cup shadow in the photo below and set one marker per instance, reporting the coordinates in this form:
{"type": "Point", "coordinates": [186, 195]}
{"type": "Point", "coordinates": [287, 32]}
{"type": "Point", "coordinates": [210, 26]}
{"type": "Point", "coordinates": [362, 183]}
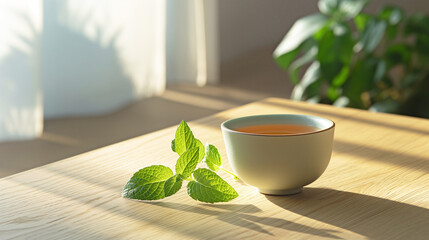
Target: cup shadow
{"type": "Point", "coordinates": [242, 215]}
{"type": "Point", "coordinates": [368, 216]}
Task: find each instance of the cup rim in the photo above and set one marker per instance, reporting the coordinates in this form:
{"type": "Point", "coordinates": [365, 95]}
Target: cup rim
{"type": "Point", "coordinates": [225, 128]}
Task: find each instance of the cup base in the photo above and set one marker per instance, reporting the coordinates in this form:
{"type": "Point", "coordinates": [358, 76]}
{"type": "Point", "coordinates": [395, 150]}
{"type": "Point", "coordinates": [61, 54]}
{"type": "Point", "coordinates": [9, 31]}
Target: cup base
{"type": "Point", "coordinates": [281, 192]}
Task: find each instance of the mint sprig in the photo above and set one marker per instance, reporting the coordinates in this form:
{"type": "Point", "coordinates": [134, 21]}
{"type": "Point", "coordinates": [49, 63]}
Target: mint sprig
{"type": "Point", "coordinates": [158, 181]}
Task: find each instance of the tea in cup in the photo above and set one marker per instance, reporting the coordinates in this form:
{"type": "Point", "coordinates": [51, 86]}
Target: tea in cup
{"type": "Point", "coordinates": [279, 153]}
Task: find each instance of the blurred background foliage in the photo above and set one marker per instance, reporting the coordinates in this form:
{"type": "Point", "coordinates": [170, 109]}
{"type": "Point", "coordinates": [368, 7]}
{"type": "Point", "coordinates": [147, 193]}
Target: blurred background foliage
{"type": "Point", "coordinates": [345, 57]}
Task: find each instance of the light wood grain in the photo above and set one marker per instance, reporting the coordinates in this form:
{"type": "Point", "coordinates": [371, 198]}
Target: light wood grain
{"type": "Point", "coordinates": [376, 186]}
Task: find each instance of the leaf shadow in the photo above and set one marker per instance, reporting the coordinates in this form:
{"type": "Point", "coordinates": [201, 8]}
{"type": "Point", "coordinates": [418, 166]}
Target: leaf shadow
{"type": "Point", "coordinates": [241, 215]}
{"type": "Point", "coordinates": [366, 215]}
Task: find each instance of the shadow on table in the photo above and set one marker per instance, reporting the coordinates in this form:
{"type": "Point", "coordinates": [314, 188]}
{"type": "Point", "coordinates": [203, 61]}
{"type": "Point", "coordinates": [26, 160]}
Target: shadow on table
{"type": "Point", "coordinates": [240, 215]}
{"type": "Point", "coordinates": [369, 216]}
{"type": "Point", "coordinates": [382, 155]}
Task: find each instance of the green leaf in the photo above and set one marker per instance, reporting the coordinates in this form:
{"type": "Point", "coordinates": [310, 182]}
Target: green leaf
{"type": "Point", "coordinates": [398, 54]}
{"type": "Point", "coordinates": [341, 9]}
{"type": "Point", "coordinates": [209, 187]}
{"type": "Point", "coordinates": [336, 45]}
{"type": "Point", "coordinates": [380, 70]}
{"type": "Point", "coordinates": [393, 15]}
{"type": "Point", "coordinates": [333, 93]}
{"type": "Point", "coordinates": [328, 7]}
{"type": "Point", "coordinates": [372, 35]}
{"type": "Point", "coordinates": [184, 138]}
{"type": "Point", "coordinates": [330, 70]}
{"type": "Point", "coordinates": [147, 183]}
{"type": "Point", "coordinates": [302, 30]}
{"type": "Point", "coordinates": [212, 158]}
{"type": "Point", "coordinates": [341, 77]}
{"type": "Point", "coordinates": [286, 59]}
{"type": "Point", "coordinates": [422, 46]}
{"type": "Point", "coordinates": [314, 90]}
{"type": "Point", "coordinates": [172, 185]}
{"type": "Point", "coordinates": [351, 8]}
{"type": "Point", "coordinates": [187, 162]}
{"type": "Point", "coordinates": [361, 80]}
{"type": "Point", "coordinates": [310, 76]}
{"type": "Point", "coordinates": [309, 56]}
{"type": "Point", "coordinates": [201, 148]}
{"type": "Point", "coordinates": [361, 20]}
{"type": "Point", "coordinates": [417, 24]}
{"type": "Point", "coordinates": [173, 145]}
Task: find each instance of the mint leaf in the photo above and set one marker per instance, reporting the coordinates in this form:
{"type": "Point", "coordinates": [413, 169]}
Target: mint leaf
{"type": "Point", "coordinates": [197, 144]}
{"type": "Point", "coordinates": [187, 162]}
{"type": "Point", "coordinates": [212, 158]}
{"type": "Point", "coordinates": [209, 187]}
{"type": "Point", "coordinates": [173, 145]}
{"type": "Point", "coordinates": [172, 185]}
{"type": "Point", "coordinates": [201, 149]}
{"type": "Point", "coordinates": [147, 183]}
{"type": "Point", "coordinates": [184, 139]}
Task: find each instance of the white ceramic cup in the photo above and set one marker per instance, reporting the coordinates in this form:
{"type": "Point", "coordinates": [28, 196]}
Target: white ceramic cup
{"type": "Point", "coordinates": [279, 164]}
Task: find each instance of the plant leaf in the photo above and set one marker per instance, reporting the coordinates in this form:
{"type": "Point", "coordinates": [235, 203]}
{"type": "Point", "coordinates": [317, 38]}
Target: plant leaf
{"type": "Point", "coordinates": [328, 7]}
{"type": "Point", "coordinates": [173, 145]}
{"type": "Point", "coordinates": [184, 139]}
{"type": "Point", "coordinates": [372, 34]}
{"type": "Point", "coordinates": [361, 20]}
{"type": "Point", "coordinates": [350, 8]}
{"type": "Point", "coordinates": [147, 183]}
{"type": "Point", "coordinates": [398, 54]}
{"type": "Point", "coordinates": [302, 29]}
{"type": "Point", "coordinates": [172, 185]}
{"type": "Point", "coordinates": [310, 76]}
{"type": "Point", "coordinates": [333, 93]}
{"type": "Point", "coordinates": [361, 80]}
{"type": "Point", "coordinates": [212, 158]}
{"type": "Point", "coordinates": [286, 59]}
{"type": "Point", "coordinates": [309, 56]}
{"type": "Point", "coordinates": [336, 45]}
{"type": "Point", "coordinates": [187, 162]}
{"type": "Point", "coordinates": [417, 24]}
{"type": "Point", "coordinates": [393, 15]}
{"type": "Point", "coordinates": [380, 70]}
{"type": "Point", "coordinates": [341, 9]}
{"type": "Point", "coordinates": [341, 77]}
{"type": "Point", "coordinates": [209, 187]}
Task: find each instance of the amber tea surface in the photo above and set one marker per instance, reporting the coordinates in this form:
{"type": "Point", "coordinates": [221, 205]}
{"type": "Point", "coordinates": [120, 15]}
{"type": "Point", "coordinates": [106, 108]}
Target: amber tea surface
{"type": "Point", "coordinates": [278, 129]}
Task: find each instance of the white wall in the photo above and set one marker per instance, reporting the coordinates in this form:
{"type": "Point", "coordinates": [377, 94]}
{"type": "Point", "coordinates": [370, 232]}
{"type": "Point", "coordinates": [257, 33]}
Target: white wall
{"type": "Point", "coordinates": [21, 110]}
{"type": "Point", "coordinates": [100, 55]}
{"type": "Point", "coordinates": [245, 25]}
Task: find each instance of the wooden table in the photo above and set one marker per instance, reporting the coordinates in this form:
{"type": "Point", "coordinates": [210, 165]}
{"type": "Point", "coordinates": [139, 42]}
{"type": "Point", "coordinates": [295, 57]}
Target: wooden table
{"type": "Point", "coordinates": [376, 186]}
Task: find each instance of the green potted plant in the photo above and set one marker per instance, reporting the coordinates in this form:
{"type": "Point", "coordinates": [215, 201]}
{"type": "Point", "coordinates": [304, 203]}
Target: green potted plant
{"type": "Point", "coordinates": [345, 57]}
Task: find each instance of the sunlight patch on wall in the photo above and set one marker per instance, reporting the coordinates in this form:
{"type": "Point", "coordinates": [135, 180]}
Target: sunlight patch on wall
{"type": "Point", "coordinates": [21, 111]}
{"type": "Point", "coordinates": [137, 31]}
